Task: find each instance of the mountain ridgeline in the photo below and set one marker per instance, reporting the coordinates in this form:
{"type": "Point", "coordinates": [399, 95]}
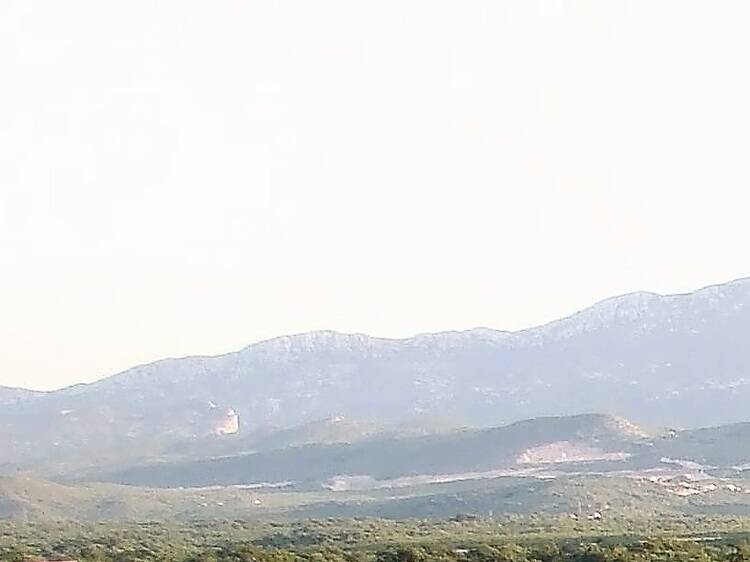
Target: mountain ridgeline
{"type": "Point", "coordinates": [665, 361]}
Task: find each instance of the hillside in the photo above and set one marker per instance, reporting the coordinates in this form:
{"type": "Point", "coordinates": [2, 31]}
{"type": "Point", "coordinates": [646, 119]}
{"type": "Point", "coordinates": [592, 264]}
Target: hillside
{"type": "Point", "coordinates": [564, 465]}
{"type": "Point", "coordinates": [616, 497]}
{"type": "Point", "coordinates": [675, 361]}
{"type": "Point", "coordinates": [584, 445]}
{"type": "Point", "coordinates": [320, 432]}
{"type": "Point", "coordinates": [372, 462]}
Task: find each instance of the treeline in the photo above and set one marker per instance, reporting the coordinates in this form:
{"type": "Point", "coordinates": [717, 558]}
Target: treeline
{"type": "Point", "coordinates": [465, 539]}
{"type": "Point", "coordinates": [642, 551]}
{"type": "Point", "coordinates": [660, 550]}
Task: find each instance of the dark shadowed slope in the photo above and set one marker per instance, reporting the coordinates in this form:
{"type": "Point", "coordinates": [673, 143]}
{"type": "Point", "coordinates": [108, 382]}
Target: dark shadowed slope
{"type": "Point", "coordinates": [540, 441]}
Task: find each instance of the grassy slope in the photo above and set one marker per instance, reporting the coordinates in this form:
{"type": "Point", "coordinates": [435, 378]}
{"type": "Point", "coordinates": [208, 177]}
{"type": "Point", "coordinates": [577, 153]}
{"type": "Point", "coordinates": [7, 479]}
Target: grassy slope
{"type": "Point", "coordinates": [618, 497]}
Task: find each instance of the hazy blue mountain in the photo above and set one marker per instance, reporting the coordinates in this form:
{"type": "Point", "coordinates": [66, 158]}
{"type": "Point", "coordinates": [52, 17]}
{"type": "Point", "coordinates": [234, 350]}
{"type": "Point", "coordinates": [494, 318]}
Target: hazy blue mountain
{"type": "Point", "coordinates": [10, 395]}
{"type": "Point", "coordinates": [680, 360]}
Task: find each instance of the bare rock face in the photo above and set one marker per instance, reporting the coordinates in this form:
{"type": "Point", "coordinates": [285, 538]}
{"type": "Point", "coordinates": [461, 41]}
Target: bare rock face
{"type": "Point", "coordinates": [229, 424]}
{"type": "Point", "coordinates": [627, 427]}
{"type": "Point", "coordinates": [568, 451]}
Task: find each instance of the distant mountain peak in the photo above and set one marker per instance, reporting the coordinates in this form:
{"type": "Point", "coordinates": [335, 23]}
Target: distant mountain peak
{"type": "Point", "coordinates": [310, 341]}
{"type": "Point", "coordinates": [12, 395]}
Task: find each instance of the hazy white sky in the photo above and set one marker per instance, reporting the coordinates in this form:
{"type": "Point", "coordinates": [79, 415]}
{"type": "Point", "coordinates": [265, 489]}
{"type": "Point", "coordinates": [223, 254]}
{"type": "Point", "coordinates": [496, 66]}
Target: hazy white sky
{"type": "Point", "coordinates": [181, 177]}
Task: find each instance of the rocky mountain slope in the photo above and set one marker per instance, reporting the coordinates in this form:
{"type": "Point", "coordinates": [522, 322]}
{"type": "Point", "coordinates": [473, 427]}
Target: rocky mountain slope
{"type": "Point", "coordinates": [679, 360]}
{"type": "Point", "coordinates": [9, 395]}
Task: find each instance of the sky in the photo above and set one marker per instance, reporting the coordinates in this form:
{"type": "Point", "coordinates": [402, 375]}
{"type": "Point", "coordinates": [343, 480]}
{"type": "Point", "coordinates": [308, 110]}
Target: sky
{"type": "Point", "coordinates": [188, 177]}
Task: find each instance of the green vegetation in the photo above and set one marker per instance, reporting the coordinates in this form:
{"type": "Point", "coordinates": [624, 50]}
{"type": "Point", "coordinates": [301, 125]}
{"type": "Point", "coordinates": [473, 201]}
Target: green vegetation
{"type": "Point", "coordinates": [468, 538]}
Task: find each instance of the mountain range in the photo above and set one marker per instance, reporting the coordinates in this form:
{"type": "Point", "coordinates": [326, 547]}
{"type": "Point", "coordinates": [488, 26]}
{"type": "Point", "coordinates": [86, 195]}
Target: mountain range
{"type": "Point", "coordinates": [678, 360]}
{"type": "Point", "coordinates": [483, 421]}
